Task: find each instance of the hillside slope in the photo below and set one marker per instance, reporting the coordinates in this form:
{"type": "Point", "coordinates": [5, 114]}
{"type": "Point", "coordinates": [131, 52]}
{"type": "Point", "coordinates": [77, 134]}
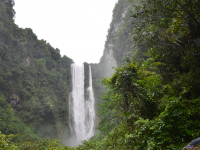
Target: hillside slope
{"type": "Point", "coordinates": [34, 82]}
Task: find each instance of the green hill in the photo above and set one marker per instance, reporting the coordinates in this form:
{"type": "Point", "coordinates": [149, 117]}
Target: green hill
{"type": "Point", "coordinates": [34, 82]}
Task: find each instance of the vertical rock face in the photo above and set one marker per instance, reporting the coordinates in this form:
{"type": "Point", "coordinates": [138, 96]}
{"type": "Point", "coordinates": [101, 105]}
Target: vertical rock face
{"type": "Point", "coordinates": [114, 28]}
{"type": "Point", "coordinates": [109, 55]}
{"type": "Point", "coordinates": [86, 79]}
{"type": "Point", "coordinates": [81, 110]}
{"type": "Point", "coordinates": [117, 39]}
{"type": "Point", "coordinates": [117, 47]}
{"type": "Point", "coordinates": [117, 24]}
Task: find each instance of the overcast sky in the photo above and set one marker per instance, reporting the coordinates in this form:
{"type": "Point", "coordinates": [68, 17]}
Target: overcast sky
{"type": "Point", "coordinates": [77, 27]}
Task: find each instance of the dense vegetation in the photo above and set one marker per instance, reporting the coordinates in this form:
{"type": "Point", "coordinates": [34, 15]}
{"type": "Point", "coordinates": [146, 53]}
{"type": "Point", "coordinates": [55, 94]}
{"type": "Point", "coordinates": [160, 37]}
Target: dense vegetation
{"type": "Point", "coordinates": [151, 101]}
{"type": "Point", "coordinates": [34, 83]}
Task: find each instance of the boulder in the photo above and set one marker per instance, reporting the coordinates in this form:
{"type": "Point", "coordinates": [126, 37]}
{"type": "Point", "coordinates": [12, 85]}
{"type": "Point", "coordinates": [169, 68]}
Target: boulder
{"type": "Point", "coordinates": [14, 101]}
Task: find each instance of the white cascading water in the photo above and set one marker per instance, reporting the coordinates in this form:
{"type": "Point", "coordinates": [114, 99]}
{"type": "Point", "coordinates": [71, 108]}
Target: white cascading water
{"type": "Point", "coordinates": [81, 110]}
{"type": "Point", "coordinates": [89, 108]}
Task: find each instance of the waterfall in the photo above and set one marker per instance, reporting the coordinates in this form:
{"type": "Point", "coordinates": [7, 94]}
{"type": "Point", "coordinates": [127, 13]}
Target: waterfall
{"type": "Point", "coordinates": [81, 110]}
{"type": "Point", "coordinates": [90, 112]}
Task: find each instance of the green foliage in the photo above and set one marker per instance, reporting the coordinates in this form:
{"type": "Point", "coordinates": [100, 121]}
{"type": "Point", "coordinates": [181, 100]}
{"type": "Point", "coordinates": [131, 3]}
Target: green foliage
{"type": "Point", "coordinates": [35, 82]}
{"type": "Point", "coordinates": [43, 145]}
{"type": "Point", "coordinates": [50, 144]}
{"type": "Point", "coordinates": [170, 117]}
{"type": "Point", "coordinates": [5, 142]}
{"type": "Point", "coordinates": [153, 102]}
{"type": "Point", "coordinates": [41, 63]}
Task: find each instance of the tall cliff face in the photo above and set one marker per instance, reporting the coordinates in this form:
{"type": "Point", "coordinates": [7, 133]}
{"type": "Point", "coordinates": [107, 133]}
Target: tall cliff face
{"type": "Point", "coordinates": [118, 38]}
{"type": "Point", "coordinates": [34, 81]}
{"type": "Point", "coordinates": [117, 45]}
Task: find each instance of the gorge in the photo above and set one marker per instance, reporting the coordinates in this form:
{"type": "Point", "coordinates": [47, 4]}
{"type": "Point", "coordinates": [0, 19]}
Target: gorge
{"type": "Point", "coordinates": [143, 94]}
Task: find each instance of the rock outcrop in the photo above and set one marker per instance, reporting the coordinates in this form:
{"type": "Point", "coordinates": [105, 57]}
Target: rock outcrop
{"type": "Point", "coordinates": [14, 101]}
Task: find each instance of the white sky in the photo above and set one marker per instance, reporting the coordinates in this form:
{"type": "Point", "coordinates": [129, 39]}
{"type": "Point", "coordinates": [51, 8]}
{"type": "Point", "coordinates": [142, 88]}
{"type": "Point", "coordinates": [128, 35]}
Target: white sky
{"type": "Point", "coordinates": [77, 27]}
